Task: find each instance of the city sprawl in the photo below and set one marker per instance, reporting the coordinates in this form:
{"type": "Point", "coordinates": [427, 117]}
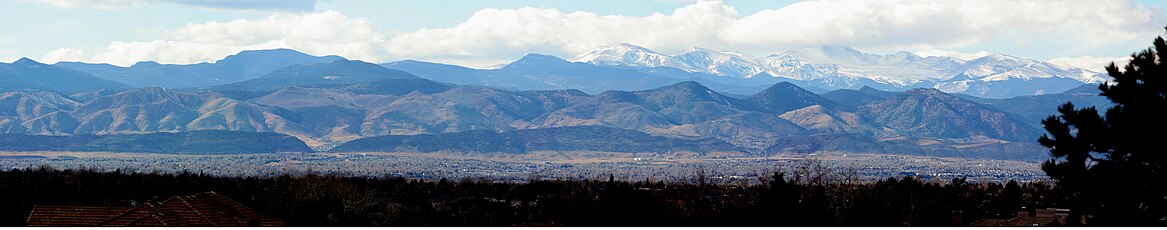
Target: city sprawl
{"type": "Point", "coordinates": [546, 166]}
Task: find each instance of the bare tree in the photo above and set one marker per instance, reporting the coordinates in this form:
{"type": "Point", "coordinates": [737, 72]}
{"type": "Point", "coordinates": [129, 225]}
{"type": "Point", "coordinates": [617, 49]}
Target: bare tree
{"type": "Point", "coordinates": [811, 171]}
{"type": "Point", "coordinates": [702, 179]}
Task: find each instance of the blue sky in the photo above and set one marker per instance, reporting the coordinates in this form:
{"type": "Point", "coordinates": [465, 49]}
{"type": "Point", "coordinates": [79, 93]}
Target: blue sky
{"type": "Point", "coordinates": [482, 33]}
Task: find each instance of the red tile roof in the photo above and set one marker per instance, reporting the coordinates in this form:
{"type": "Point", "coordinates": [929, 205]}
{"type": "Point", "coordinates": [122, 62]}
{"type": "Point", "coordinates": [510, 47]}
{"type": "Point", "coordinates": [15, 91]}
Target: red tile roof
{"type": "Point", "coordinates": [203, 209]}
{"type": "Point", "coordinates": [71, 215]}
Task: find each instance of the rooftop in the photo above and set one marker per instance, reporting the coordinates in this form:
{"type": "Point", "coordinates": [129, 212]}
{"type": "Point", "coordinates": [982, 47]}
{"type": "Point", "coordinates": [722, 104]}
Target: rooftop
{"type": "Point", "coordinates": [208, 209]}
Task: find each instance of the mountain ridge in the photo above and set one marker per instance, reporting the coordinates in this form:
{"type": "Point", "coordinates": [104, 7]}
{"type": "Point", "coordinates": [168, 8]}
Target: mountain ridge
{"type": "Point", "coordinates": [245, 65]}
{"type": "Point", "coordinates": [27, 74]}
{"type": "Point", "coordinates": [841, 67]}
{"type": "Point", "coordinates": [323, 117]}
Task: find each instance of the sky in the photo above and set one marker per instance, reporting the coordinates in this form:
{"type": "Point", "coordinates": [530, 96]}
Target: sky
{"type": "Point", "coordinates": [476, 33]}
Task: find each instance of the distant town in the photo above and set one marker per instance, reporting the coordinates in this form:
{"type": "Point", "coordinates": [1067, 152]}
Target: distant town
{"type": "Point", "coordinates": [547, 166]}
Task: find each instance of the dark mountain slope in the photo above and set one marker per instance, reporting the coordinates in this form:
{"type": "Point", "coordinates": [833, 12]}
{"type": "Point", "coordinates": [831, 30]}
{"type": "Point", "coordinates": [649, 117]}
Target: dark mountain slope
{"type": "Point", "coordinates": [337, 73]}
{"type": "Point", "coordinates": [931, 113]}
{"type": "Point", "coordinates": [784, 96]}
{"type": "Point", "coordinates": [195, 142]}
{"type": "Point", "coordinates": [850, 99]}
{"type": "Point", "coordinates": [690, 102]}
{"type": "Point", "coordinates": [26, 74]}
{"type": "Point", "coordinates": [1032, 109]}
{"type": "Point", "coordinates": [538, 72]}
{"type": "Point", "coordinates": [579, 138]}
{"type": "Point", "coordinates": [243, 66]}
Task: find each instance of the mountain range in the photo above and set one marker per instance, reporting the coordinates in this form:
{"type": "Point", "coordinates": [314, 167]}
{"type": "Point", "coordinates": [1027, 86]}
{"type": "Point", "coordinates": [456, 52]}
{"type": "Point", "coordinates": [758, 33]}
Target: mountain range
{"type": "Point", "coordinates": [26, 74]}
{"type": "Point", "coordinates": [837, 67]}
{"type": "Point", "coordinates": [629, 67]}
{"type": "Point", "coordinates": [245, 65]}
{"type": "Point", "coordinates": [331, 102]}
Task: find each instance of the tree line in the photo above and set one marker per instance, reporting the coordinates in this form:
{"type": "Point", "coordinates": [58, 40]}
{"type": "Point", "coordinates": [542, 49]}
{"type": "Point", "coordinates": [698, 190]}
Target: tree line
{"type": "Point", "coordinates": [786, 199]}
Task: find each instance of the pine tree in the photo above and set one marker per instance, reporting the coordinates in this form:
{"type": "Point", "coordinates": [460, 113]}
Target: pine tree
{"type": "Point", "coordinates": [1114, 164]}
{"type": "Point", "coordinates": [1010, 199]}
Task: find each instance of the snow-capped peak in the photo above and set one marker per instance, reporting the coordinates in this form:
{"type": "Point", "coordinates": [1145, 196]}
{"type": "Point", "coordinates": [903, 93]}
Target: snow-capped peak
{"type": "Point", "coordinates": [720, 62]}
{"type": "Point", "coordinates": [25, 61]}
{"type": "Point", "coordinates": [997, 67]}
{"type": "Point", "coordinates": [847, 56]}
{"type": "Point", "coordinates": [845, 67]}
{"type": "Point", "coordinates": [625, 54]}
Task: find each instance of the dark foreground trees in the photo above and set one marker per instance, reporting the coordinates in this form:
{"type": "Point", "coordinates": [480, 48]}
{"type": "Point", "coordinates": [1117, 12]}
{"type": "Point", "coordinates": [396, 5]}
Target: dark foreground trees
{"type": "Point", "coordinates": [329, 200]}
{"type": "Point", "coordinates": [1113, 164]}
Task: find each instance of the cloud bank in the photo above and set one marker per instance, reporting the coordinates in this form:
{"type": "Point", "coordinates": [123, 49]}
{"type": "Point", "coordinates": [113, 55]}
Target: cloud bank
{"type": "Point", "coordinates": [325, 33]}
{"type": "Point", "coordinates": [8, 56]}
{"type": "Point", "coordinates": [1091, 62]}
{"type": "Point", "coordinates": [492, 36]}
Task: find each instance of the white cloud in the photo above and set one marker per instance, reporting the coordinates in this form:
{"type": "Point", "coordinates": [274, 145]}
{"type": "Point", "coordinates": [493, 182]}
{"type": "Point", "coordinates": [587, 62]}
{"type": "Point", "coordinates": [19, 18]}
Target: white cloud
{"type": "Point", "coordinates": [1079, 25]}
{"type": "Point", "coordinates": [886, 23]}
{"type": "Point", "coordinates": [1090, 62]}
{"type": "Point", "coordinates": [325, 33]}
{"type": "Point", "coordinates": [502, 34]}
{"type": "Point", "coordinates": [63, 54]}
{"type": "Point", "coordinates": [8, 56]}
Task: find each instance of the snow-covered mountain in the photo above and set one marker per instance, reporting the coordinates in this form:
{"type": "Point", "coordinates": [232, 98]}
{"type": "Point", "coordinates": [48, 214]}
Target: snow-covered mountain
{"type": "Point", "coordinates": [899, 69]}
{"type": "Point", "coordinates": [837, 67]}
{"type": "Point", "coordinates": [1000, 67]}
{"type": "Point", "coordinates": [625, 54]}
{"type": "Point", "coordinates": [720, 62]}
